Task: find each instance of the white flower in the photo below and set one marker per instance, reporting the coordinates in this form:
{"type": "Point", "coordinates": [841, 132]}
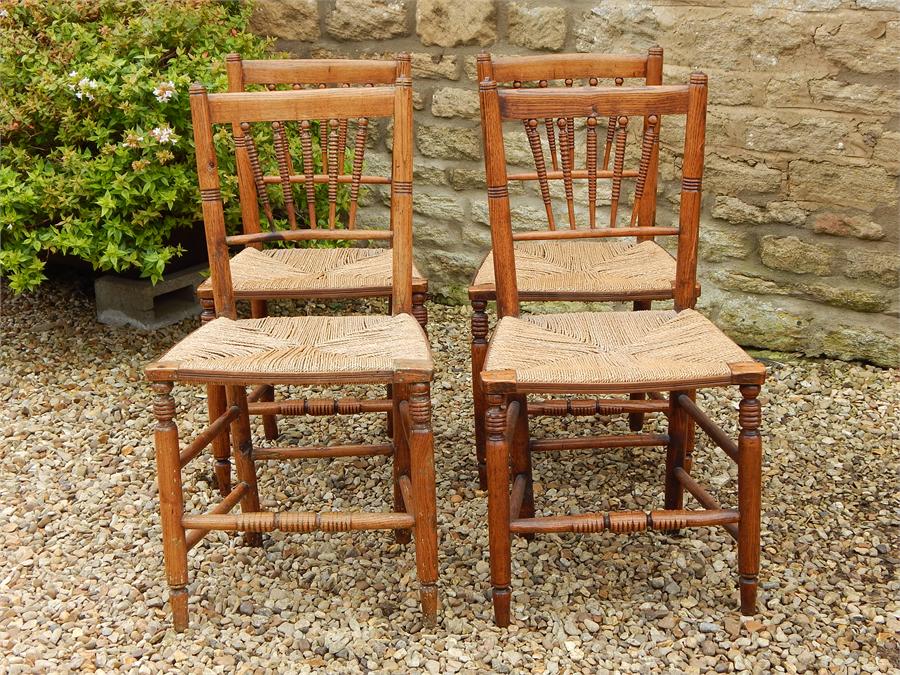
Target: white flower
{"type": "Point", "coordinates": [82, 89]}
{"type": "Point", "coordinates": [3, 13]}
{"type": "Point", "coordinates": [164, 134]}
{"type": "Point", "coordinates": [73, 74]}
{"type": "Point", "coordinates": [164, 91]}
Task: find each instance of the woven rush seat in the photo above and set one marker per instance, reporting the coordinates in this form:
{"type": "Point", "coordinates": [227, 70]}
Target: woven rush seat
{"type": "Point", "coordinates": [579, 266]}
{"type": "Point", "coordinates": [614, 348]}
{"type": "Point", "coordinates": [298, 349]}
{"type": "Point", "coordinates": [310, 271]}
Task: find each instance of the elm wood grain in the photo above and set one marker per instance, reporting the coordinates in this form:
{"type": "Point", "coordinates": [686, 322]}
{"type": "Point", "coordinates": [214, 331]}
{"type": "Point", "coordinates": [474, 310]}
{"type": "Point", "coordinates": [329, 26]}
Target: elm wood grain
{"type": "Point", "coordinates": [324, 451]}
{"type": "Point", "coordinates": [299, 104]}
{"type": "Point", "coordinates": [598, 442]}
{"type": "Point", "coordinates": [523, 104]}
{"type": "Point", "coordinates": [567, 66]}
{"type": "Point", "coordinates": [409, 379]}
{"type": "Point", "coordinates": [401, 426]}
{"type": "Point", "coordinates": [749, 495]}
{"type": "Point", "coordinates": [328, 71]}
{"type": "Point", "coordinates": [502, 388]}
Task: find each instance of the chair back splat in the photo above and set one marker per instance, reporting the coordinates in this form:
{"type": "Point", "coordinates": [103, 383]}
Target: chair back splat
{"type": "Point", "coordinates": [323, 143]}
{"type": "Point", "coordinates": [277, 117]}
{"type": "Point", "coordinates": [566, 107]}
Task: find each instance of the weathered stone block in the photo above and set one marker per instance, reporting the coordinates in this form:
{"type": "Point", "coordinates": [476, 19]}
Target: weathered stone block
{"type": "Point", "coordinates": [537, 27]}
{"type": "Point", "coordinates": [796, 90]}
{"type": "Point", "coordinates": [455, 102]}
{"type": "Point", "coordinates": [717, 245]}
{"type": "Point", "coordinates": [451, 23]}
{"type": "Point", "coordinates": [434, 66]}
{"type": "Point", "coordinates": [862, 42]}
{"type": "Point", "coordinates": [805, 135]}
{"type": "Point", "coordinates": [735, 211]}
{"type": "Point", "coordinates": [734, 177]}
{"type": "Point", "coordinates": [367, 19]}
{"type": "Point", "coordinates": [617, 27]}
{"type": "Point", "coordinates": [843, 225]}
{"type": "Point", "coordinates": [467, 179]}
{"type": "Point", "coordinates": [141, 304]}
{"type": "Point", "coordinates": [443, 207]}
{"type": "Point", "coordinates": [448, 142]}
{"type": "Point", "coordinates": [286, 19]}
{"type": "Point", "coordinates": [862, 187]}
{"type": "Point", "coordinates": [866, 343]}
{"type": "Point", "coordinates": [793, 255]}
{"type": "Point", "coordinates": [427, 174]}
{"type": "Point", "coordinates": [882, 268]}
{"type": "Point", "coordinates": [762, 324]}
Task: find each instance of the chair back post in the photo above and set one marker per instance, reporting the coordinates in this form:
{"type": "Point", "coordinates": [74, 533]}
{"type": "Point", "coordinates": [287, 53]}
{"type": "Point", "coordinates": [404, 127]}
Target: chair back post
{"type": "Point", "coordinates": [498, 193]}
{"type": "Point", "coordinates": [647, 207]}
{"type": "Point", "coordinates": [234, 69]}
{"type": "Point", "coordinates": [691, 191]}
{"type": "Point", "coordinates": [401, 197]}
{"type": "Point", "coordinates": [211, 196]}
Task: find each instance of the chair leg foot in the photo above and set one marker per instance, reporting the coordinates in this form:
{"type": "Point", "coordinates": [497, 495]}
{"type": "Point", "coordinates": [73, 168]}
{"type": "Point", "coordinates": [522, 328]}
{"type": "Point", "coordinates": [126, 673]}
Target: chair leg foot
{"type": "Point", "coordinates": [501, 598]}
{"type": "Point", "coordinates": [748, 586]}
{"type": "Point", "coordinates": [428, 596]}
{"type": "Point", "coordinates": [178, 601]}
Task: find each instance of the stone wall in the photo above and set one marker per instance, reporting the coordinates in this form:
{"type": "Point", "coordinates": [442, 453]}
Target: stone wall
{"type": "Point", "coordinates": [800, 230]}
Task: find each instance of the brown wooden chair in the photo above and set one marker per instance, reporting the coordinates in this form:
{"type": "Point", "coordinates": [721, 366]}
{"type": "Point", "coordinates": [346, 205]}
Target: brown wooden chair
{"type": "Point", "coordinates": [308, 350]}
{"type": "Point", "coordinates": [602, 353]}
{"type": "Point", "coordinates": [578, 269]}
{"type": "Point", "coordinates": [305, 273]}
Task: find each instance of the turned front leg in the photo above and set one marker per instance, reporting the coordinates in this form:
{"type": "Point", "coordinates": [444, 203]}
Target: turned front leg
{"type": "Point", "coordinates": [421, 450]}
{"type": "Point", "coordinates": [171, 502]}
{"type": "Point", "coordinates": [498, 507]}
{"type": "Point", "coordinates": [749, 495]}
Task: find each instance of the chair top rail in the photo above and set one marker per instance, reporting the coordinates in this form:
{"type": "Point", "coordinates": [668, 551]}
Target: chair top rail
{"type": "Point", "coordinates": [523, 104]}
{"type": "Point", "coordinates": [279, 106]}
{"type": "Point", "coordinates": [568, 66]}
{"type": "Point", "coordinates": [319, 71]}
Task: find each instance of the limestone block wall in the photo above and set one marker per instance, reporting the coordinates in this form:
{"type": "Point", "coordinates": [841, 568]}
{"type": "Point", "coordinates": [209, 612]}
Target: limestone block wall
{"type": "Point", "coordinates": [800, 229]}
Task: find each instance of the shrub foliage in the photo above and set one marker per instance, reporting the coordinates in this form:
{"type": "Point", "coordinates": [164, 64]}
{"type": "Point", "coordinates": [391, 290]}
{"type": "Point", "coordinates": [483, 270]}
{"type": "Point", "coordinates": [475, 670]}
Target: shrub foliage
{"type": "Point", "coordinates": [97, 155]}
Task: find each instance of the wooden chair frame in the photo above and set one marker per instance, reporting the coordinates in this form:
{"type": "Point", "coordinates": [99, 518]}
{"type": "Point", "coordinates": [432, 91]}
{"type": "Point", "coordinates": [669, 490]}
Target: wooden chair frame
{"type": "Point", "coordinates": [518, 70]}
{"type": "Point", "coordinates": [412, 445]}
{"type": "Point", "coordinates": [299, 74]}
{"type": "Point", "coordinates": [511, 507]}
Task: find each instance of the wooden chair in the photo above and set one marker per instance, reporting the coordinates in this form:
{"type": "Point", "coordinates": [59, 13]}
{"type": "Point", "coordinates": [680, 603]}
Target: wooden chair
{"type": "Point", "coordinates": [573, 268]}
{"type": "Point", "coordinates": [318, 351]}
{"type": "Point", "coordinates": [602, 353]}
{"type": "Point", "coordinates": [258, 274]}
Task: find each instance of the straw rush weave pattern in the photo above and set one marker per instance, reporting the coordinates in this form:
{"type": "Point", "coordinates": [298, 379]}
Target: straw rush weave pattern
{"type": "Point", "coordinates": [298, 269]}
{"type": "Point", "coordinates": [303, 344]}
{"type": "Point", "coordinates": [587, 266]}
{"type": "Point", "coordinates": [612, 347]}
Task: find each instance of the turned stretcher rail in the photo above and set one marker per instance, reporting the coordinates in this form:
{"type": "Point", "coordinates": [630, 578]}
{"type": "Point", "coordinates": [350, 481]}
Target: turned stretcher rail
{"type": "Point", "coordinates": [596, 442]}
{"type": "Point", "coordinates": [205, 437]}
{"type": "Point", "coordinates": [586, 407]}
{"type": "Point", "coordinates": [700, 493]}
{"type": "Point", "coordinates": [713, 430]}
{"type": "Point", "coordinates": [323, 451]}
{"type": "Point", "coordinates": [623, 521]}
{"type": "Point", "coordinates": [300, 521]}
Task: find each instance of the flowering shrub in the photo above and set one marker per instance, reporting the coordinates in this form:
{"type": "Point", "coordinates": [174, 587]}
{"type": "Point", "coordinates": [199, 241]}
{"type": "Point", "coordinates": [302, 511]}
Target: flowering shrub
{"type": "Point", "coordinates": [97, 158]}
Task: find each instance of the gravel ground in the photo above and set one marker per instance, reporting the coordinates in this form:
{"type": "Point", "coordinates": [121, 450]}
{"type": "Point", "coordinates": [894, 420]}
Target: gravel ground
{"type": "Point", "coordinates": [82, 585]}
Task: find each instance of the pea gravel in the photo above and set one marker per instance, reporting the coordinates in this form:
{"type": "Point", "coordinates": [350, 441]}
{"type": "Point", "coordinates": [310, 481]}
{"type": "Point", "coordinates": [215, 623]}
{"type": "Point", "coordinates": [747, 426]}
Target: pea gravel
{"type": "Point", "coordinates": [81, 576]}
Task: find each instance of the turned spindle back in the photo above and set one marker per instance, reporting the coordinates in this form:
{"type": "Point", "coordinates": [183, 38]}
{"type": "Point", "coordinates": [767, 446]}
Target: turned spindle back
{"type": "Point", "coordinates": [280, 112]}
{"type": "Point", "coordinates": [530, 105]}
{"type": "Point", "coordinates": [329, 152]}
{"type": "Point", "coordinates": [552, 141]}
